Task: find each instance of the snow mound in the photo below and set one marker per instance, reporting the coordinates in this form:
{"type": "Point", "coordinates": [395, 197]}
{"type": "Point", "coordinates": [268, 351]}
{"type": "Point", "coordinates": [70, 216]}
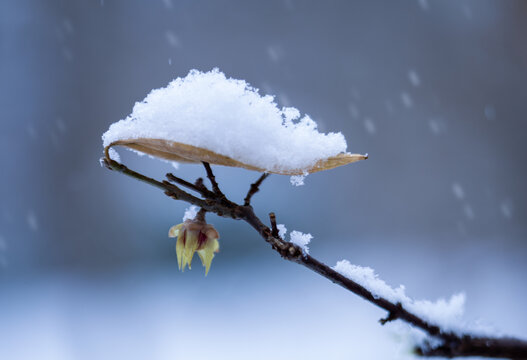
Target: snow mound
{"type": "Point", "coordinates": [190, 213]}
{"type": "Point", "coordinates": [447, 314]}
{"type": "Point", "coordinates": [301, 240]}
{"type": "Point", "coordinates": [209, 111]}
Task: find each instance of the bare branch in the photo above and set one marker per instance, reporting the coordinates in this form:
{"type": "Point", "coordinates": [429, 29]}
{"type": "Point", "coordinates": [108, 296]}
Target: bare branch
{"type": "Point", "coordinates": [198, 187]}
{"type": "Point", "coordinates": [200, 216]}
{"type": "Point", "coordinates": [506, 348]}
{"type": "Point", "coordinates": [171, 190]}
{"type": "Point", "coordinates": [255, 187]}
{"type": "Point", "coordinates": [453, 345]}
{"type": "Point", "coordinates": [392, 315]}
{"type": "Point", "coordinates": [274, 228]}
{"type": "Point", "coordinates": [212, 179]}
{"type": "Point", "coordinates": [177, 180]}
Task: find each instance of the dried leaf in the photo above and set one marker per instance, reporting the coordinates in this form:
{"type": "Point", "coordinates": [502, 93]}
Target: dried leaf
{"type": "Point", "coordinates": [183, 153]}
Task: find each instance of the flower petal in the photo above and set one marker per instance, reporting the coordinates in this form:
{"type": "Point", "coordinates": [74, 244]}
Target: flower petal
{"type": "Point", "coordinates": [207, 253]}
{"type": "Point", "coordinates": [180, 246]}
{"type": "Point", "coordinates": [174, 230]}
{"type": "Point", "coordinates": [191, 245]}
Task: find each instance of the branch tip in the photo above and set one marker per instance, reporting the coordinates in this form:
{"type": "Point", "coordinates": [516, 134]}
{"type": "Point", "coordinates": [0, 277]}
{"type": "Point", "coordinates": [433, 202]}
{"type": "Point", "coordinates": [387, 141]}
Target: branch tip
{"type": "Point", "coordinates": [199, 183]}
{"type": "Point", "coordinates": [392, 314]}
{"type": "Point", "coordinates": [212, 178]}
{"type": "Point", "coordinates": [255, 187]}
{"type": "Point", "coordinates": [274, 229]}
{"type": "Point", "coordinates": [391, 317]}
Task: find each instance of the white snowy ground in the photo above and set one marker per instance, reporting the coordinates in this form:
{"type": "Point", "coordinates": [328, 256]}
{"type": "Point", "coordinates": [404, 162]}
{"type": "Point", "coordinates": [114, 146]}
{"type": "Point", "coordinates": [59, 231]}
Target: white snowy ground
{"type": "Point", "coordinates": [258, 308]}
{"type": "Point", "coordinates": [148, 316]}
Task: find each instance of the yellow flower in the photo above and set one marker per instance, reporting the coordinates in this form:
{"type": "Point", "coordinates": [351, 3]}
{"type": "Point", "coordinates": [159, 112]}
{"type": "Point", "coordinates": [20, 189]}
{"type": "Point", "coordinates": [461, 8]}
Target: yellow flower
{"type": "Point", "coordinates": [195, 236]}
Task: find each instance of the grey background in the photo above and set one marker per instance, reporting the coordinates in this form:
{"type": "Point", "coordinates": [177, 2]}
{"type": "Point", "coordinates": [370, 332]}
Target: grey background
{"type": "Point", "coordinates": [434, 91]}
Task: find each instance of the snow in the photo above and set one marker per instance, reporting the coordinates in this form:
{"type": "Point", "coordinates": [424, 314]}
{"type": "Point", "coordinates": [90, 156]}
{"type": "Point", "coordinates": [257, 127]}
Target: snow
{"type": "Point", "coordinates": [407, 99]}
{"type": "Point", "coordinates": [68, 55]}
{"type": "Point", "coordinates": [490, 112]}
{"type": "Point", "coordinates": [469, 212]}
{"type": "Point", "coordinates": [168, 4]}
{"type": "Point", "coordinates": [60, 125]}
{"type": "Point", "coordinates": [354, 110]}
{"type": "Point", "coordinates": [3, 244]}
{"type": "Point", "coordinates": [282, 230]}
{"type": "Point", "coordinates": [445, 313]}
{"type": "Point", "coordinates": [367, 277]}
{"type": "Point", "coordinates": [467, 11]}
{"type": "Point", "coordinates": [68, 26]}
{"type": "Point", "coordinates": [414, 78]}
{"type": "Point", "coordinates": [506, 208]}
{"type": "Point", "coordinates": [370, 126]}
{"type": "Point", "coordinates": [229, 117]}
{"type": "Point", "coordinates": [32, 221]}
{"type": "Point", "coordinates": [190, 213]}
{"type": "Point", "coordinates": [274, 53]}
{"type": "Point", "coordinates": [32, 131]}
{"type": "Point", "coordinates": [3, 248]}
{"type": "Point", "coordinates": [114, 155]}
{"type": "Point", "coordinates": [301, 240]}
{"type": "Point", "coordinates": [424, 5]}
{"type": "Point", "coordinates": [296, 237]}
{"type": "Point", "coordinates": [437, 126]}
{"type": "Point", "coordinates": [172, 39]}
{"type": "Point", "coordinates": [457, 189]}
{"type": "Point", "coordinates": [297, 180]}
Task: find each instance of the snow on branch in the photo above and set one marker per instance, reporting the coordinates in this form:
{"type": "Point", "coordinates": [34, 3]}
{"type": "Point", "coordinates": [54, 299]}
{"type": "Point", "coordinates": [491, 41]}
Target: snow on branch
{"type": "Point", "coordinates": [301, 240]}
{"type": "Point", "coordinates": [447, 314]}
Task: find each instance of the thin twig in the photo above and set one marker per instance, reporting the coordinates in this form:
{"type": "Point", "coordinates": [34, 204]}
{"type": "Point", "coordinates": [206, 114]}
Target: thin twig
{"type": "Point", "coordinates": [200, 216]}
{"type": "Point", "coordinates": [392, 315]}
{"type": "Point", "coordinates": [200, 185]}
{"type": "Point", "coordinates": [172, 190]}
{"type": "Point", "coordinates": [200, 189]}
{"type": "Point", "coordinates": [274, 228]}
{"type": "Point", "coordinates": [185, 183]}
{"type": "Point", "coordinates": [255, 187]}
{"type": "Point", "coordinates": [453, 345]}
{"type": "Point", "coordinates": [212, 179]}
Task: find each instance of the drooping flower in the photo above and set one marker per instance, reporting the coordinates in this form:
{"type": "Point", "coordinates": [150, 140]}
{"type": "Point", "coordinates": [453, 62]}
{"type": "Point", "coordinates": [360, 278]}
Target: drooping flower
{"type": "Point", "coordinates": [195, 236]}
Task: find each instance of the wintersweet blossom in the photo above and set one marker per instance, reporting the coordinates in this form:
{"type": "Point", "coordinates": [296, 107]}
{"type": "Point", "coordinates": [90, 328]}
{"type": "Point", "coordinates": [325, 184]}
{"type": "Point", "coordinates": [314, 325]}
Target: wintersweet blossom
{"type": "Point", "coordinates": [195, 236]}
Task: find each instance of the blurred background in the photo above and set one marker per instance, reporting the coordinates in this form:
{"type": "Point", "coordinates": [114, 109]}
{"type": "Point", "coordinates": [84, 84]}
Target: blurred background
{"type": "Point", "coordinates": [434, 91]}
